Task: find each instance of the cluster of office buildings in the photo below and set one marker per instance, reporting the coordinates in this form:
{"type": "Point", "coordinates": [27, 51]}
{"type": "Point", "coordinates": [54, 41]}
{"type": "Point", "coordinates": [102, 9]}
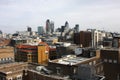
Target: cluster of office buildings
{"type": "Point", "coordinates": [62, 54]}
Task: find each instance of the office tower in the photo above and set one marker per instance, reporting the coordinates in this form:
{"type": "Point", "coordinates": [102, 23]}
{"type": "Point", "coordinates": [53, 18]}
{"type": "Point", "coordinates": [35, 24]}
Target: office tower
{"type": "Point", "coordinates": [66, 24]}
{"type": "Point", "coordinates": [76, 28]}
{"type": "Point", "coordinates": [0, 32]}
{"type": "Point", "coordinates": [40, 30]}
{"type": "Point", "coordinates": [29, 29]}
{"type": "Point", "coordinates": [52, 26]}
{"type": "Point", "coordinates": [48, 29]}
{"type": "Point", "coordinates": [49, 26]}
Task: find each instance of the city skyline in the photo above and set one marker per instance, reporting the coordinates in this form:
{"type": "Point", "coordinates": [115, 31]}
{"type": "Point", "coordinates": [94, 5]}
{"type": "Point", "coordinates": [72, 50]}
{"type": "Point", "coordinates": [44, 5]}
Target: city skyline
{"type": "Point", "coordinates": [16, 15]}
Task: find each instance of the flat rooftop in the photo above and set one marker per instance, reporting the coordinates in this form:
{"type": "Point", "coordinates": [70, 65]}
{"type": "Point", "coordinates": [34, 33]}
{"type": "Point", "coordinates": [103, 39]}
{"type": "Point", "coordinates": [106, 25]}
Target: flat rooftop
{"type": "Point", "coordinates": [71, 60]}
{"type": "Point", "coordinates": [111, 49]}
{"type": "Point", "coordinates": [11, 67]}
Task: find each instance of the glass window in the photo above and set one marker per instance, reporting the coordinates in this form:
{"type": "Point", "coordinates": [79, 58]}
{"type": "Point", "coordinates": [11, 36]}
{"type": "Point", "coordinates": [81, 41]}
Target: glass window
{"type": "Point", "coordinates": [105, 60]}
{"type": "Point", "coordinates": [110, 60]}
{"type": "Point", "coordinates": [94, 62]}
{"type": "Point", "coordinates": [114, 61]}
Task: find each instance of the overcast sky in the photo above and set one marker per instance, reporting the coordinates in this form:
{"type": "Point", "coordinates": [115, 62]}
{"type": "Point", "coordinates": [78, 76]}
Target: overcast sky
{"type": "Point", "coordinates": [15, 15]}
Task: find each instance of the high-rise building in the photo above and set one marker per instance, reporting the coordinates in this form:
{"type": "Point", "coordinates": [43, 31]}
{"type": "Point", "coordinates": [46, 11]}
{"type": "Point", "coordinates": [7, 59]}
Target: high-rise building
{"type": "Point", "coordinates": [52, 26]}
{"type": "Point", "coordinates": [29, 29]}
{"type": "Point", "coordinates": [48, 29]}
{"type": "Point", "coordinates": [66, 24]}
{"type": "Point", "coordinates": [0, 32]}
{"type": "Point", "coordinates": [40, 30]}
{"type": "Point", "coordinates": [49, 26]}
{"type": "Point", "coordinates": [76, 28]}
{"type": "Point", "coordinates": [66, 27]}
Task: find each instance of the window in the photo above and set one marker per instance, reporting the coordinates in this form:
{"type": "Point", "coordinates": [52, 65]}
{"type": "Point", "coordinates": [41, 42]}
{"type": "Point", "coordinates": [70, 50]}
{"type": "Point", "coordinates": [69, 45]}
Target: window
{"type": "Point", "coordinates": [3, 59]}
{"type": "Point", "coordinates": [110, 60]}
{"type": "Point", "coordinates": [90, 63]}
{"type": "Point", "coordinates": [94, 62]}
{"type": "Point", "coordinates": [19, 77]}
{"type": "Point", "coordinates": [58, 70]}
{"type": "Point", "coordinates": [114, 61]}
{"type": "Point", "coordinates": [118, 76]}
{"type": "Point", "coordinates": [105, 60]}
{"type": "Point", "coordinates": [10, 79]}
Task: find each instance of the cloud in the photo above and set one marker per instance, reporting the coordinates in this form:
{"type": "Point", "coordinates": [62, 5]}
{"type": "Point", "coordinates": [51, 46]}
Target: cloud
{"type": "Point", "coordinates": [21, 13]}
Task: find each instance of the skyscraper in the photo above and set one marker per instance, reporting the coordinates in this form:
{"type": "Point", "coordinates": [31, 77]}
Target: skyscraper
{"type": "Point", "coordinates": [29, 29]}
{"type": "Point", "coordinates": [76, 28]}
{"type": "Point", "coordinates": [66, 25]}
{"type": "Point", "coordinates": [48, 26]}
{"type": "Point", "coordinates": [40, 30]}
{"type": "Point", "coordinates": [52, 26]}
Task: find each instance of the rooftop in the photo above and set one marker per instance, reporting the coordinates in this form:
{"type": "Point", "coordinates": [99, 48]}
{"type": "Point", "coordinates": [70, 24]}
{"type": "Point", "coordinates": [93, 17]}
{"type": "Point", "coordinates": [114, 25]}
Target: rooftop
{"type": "Point", "coordinates": [71, 60]}
{"type": "Point", "coordinates": [4, 68]}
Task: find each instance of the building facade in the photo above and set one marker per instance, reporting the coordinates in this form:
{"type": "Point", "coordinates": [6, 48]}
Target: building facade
{"type": "Point", "coordinates": [12, 71]}
{"type": "Point", "coordinates": [40, 30]}
{"type": "Point", "coordinates": [111, 65]}
{"type": "Point", "coordinates": [32, 53]}
{"type": "Point", "coordinates": [6, 55]}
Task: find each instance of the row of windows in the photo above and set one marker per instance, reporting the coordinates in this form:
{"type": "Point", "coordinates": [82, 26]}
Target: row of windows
{"type": "Point", "coordinates": [92, 63]}
{"type": "Point", "coordinates": [110, 61]}
{"type": "Point", "coordinates": [6, 59]}
{"type": "Point", "coordinates": [17, 78]}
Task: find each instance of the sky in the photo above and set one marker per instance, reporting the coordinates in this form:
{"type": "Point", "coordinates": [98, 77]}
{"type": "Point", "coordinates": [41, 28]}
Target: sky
{"type": "Point", "coordinates": [16, 15]}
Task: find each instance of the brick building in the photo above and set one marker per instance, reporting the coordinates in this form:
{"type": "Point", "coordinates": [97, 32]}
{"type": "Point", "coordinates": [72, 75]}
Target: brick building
{"type": "Point", "coordinates": [32, 53]}
{"type": "Point", "coordinates": [6, 55]}
{"type": "Point", "coordinates": [69, 65]}
{"type": "Point", "coordinates": [76, 38]}
{"type": "Point", "coordinates": [111, 65]}
{"type": "Point", "coordinates": [12, 71]}
{"type": "Point", "coordinates": [116, 42]}
{"type": "Point", "coordinates": [83, 38]}
{"type": "Point", "coordinates": [36, 75]}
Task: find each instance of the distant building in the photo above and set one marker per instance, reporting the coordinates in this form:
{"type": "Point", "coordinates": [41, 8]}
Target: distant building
{"type": "Point", "coordinates": [76, 38]}
{"type": "Point", "coordinates": [62, 49]}
{"type": "Point", "coordinates": [76, 28]}
{"type": "Point", "coordinates": [40, 30]}
{"type": "Point", "coordinates": [66, 26]}
{"type": "Point", "coordinates": [108, 42]}
{"type": "Point", "coordinates": [12, 71]}
{"type": "Point", "coordinates": [32, 53]}
{"type": "Point", "coordinates": [29, 29]}
{"type": "Point", "coordinates": [4, 42]}
{"type": "Point", "coordinates": [49, 27]}
{"type": "Point", "coordinates": [52, 26]}
{"type": "Point", "coordinates": [116, 42]}
{"type": "Point", "coordinates": [85, 39]}
{"type": "Point", "coordinates": [1, 34]}
{"type": "Point", "coordinates": [6, 55]}
{"type": "Point", "coordinates": [97, 37]}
